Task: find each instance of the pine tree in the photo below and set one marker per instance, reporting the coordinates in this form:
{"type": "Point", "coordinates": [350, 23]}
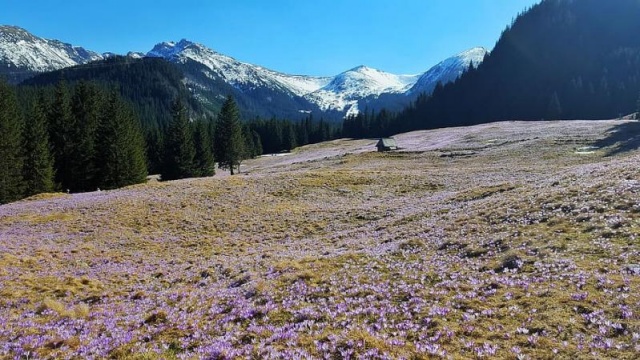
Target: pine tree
{"type": "Point", "coordinates": [11, 160]}
{"type": "Point", "coordinates": [120, 146]}
{"type": "Point", "coordinates": [155, 148]}
{"type": "Point", "coordinates": [288, 137]}
{"type": "Point", "coordinates": [302, 134]}
{"type": "Point", "coordinates": [84, 106]}
{"type": "Point", "coordinates": [179, 151]}
{"type": "Point", "coordinates": [638, 109]}
{"type": "Point", "coordinates": [38, 162]}
{"type": "Point", "coordinates": [229, 141]}
{"type": "Point", "coordinates": [136, 171]}
{"type": "Point", "coordinates": [257, 143]}
{"type": "Point", "coordinates": [205, 165]}
{"type": "Point", "coordinates": [61, 127]}
{"type": "Point", "coordinates": [250, 146]}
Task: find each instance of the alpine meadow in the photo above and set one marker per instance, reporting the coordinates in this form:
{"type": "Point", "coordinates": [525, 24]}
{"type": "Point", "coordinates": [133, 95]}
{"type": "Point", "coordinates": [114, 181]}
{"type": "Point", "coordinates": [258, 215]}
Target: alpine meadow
{"type": "Point", "coordinates": [183, 204]}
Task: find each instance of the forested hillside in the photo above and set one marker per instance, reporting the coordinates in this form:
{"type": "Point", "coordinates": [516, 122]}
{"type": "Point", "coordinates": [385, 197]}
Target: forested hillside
{"type": "Point", "coordinates": [561, 59]}
{"type": "Point", "coordinates": [150, 84]}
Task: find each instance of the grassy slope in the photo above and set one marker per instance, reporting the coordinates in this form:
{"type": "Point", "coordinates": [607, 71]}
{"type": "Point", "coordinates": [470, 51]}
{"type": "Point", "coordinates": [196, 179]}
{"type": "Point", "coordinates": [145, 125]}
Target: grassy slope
{"type": "Point", "coordinates": [503, 240]}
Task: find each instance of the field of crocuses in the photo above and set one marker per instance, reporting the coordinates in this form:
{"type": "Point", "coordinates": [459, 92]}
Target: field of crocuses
{"type": "Point", "coordinates": [508, 240]}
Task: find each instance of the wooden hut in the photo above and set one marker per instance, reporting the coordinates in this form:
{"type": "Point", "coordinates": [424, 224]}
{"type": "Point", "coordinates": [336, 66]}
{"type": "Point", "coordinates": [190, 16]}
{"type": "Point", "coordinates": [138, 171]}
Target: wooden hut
{"type": "Point", "coordinates": [387, 144]}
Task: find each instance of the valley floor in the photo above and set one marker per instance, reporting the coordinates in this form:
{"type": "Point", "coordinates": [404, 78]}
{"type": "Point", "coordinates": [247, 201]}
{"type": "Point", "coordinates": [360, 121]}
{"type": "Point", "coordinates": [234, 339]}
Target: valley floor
{"type": "Point", "coordinates": [506, 240]}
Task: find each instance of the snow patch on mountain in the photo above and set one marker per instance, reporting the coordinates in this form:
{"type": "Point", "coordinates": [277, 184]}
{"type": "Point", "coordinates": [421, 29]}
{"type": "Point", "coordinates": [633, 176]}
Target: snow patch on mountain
{"type": "Point", "coordinates": [346, 89]}
{"type": "Point", "coordinates": [365, 81]}
{"type": "Point", "coordinates": [135, 55]}
{"type": "Point", "coordinates": [239, 74]}
{"type": "Point", "coordinates": [339, 93]}
{"type": "Point", "coordinates": [448, 70]}
{"type": "Point", "coordinates": [28, 52]}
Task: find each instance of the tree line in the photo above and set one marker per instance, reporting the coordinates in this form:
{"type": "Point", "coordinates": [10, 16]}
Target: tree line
{"type": "Point", "coordinates": [191, 147]}
{"type": "Point", "coordinates": [86, 136]}
{"type": "Point", "coordinates": [76, 140]}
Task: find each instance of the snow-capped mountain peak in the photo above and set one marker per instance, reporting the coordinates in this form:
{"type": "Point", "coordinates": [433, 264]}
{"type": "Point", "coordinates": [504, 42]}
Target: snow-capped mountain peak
{"type": "Point", "coordinates": [366, 81]}
{"type": "Point", "coordinates": [473, 56]}
{"type": "Point", "coordinates": [27, 52]}
{"type": "Point", "coordinates": [241, 75]}
{"type": "Point", "coordinates": [346, 89]}
{"type": "Point", "coordinates": [169, 49]}
{"type": "Point", "coordinates": [448, 70]}
{"type": "Point", "coordinates": [135, 55]}
{"type": "Point", "coordinates": [340, 93]}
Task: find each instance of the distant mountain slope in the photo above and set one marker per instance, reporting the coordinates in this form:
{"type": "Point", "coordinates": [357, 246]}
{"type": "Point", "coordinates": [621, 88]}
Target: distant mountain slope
{"type": "Point", "coordinates": [211, 76]}
{"type": "Point", "coordinates": [24, 54]}
{"type": "Point", "coordinates": [236, 73]}
{"type": "Point", "coordinates": [337, 96]}
{"type": "Point", "coordinates": [362, 86]}
{"type": "Point", "coordinates": [561, 59]}
{"type": "Point", "coordinates": [259, 91]}
{"type": "Point", "coordinates": [346, 90]}
{"type": "Point", "coordinates": [448, 70]}
{"type": "Point", "coordinates": [150, 84]}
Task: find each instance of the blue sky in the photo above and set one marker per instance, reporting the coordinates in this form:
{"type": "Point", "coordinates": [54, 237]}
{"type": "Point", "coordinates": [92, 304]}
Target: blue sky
{"type": "Point", "coordinates": [314, 37]}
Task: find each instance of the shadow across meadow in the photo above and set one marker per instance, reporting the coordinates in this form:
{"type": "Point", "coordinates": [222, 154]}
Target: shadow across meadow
{"type": "Point", "coordinates": [622, 138]}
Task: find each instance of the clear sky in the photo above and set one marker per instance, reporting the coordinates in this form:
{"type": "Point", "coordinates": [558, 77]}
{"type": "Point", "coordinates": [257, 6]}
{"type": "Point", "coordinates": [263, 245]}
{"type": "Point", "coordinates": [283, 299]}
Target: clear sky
{"type": "Point", "coordinates": [311, 37]}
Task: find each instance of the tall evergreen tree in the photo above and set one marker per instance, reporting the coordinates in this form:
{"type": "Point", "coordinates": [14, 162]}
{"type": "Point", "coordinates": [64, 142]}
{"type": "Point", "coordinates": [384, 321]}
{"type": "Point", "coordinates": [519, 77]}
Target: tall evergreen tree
{"type": "Point", "coordinates": [180, 151]}
{"type": "Point", "coordinates": [302, 134]}
{"type": "Point", "coordinates": [257, 143]}
{"type": "Point", "coordinates": [120, 146]}
{"type": "Point", "coordinates": [288, 137]}
{"type": "Point", "coordinates": [61, 129]}
{"type": "Point", "coordinates": [85, 107]}
{"type": "Point", "coordinates": [229, 141]}
{"type": "Point", "coordinates": [11, 160]}
{"type": "Point", "coordinates": [38, 162]}
{"type": "Point", "coordinates": [250, 146]}
{"type": "Point", "coordinates": [638, 109]}
{"type": "Point", "coordinates": [155, 149]}
{"type": "Point", "coordinates": [204, 163]}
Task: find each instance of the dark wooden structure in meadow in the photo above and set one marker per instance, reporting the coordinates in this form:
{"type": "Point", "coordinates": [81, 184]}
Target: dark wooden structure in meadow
{"type": "Point", "coordinates": [387, 144]}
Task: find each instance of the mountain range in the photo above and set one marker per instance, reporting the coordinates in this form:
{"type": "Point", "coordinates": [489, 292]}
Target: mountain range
{"type": "Point", "coordinates": [210, 76]}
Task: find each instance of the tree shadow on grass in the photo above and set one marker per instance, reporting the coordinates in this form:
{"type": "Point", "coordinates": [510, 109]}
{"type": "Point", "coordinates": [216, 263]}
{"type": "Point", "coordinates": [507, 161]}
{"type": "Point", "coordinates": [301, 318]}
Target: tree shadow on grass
{"type": "Point", "coordinates": [621, 138]}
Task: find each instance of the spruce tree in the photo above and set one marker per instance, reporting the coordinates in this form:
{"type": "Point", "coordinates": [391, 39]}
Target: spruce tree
{"type": "Point", "coordinates": [84, 105]}
{"type": "Point", "coordinates": [638, 109]}
{"type": "Point", "coordinates": [257, 143]}
{"type": "Point", "coordinates": [229, 141]}
{"type": "Point", "coordinates": [179, 154]}
{"type": "Point", "coordinates": [204, 162]}
{"type": "Point", "coordinates": [61, 130]}
{"type": "Point", "coordinates": [288, 137]}
{"type": "Point", "coordinates": [250, 147]}
{"type": "Point", "coordinates": [155, 148]}
{"type": "Point", "coordinates": [136, 171]}
{"type": "Point", "coordinates": [302, 134]}
{"type": "Point", "coordinates": [11, 160]}
{"type": "Point", "coordinates": [38, 162]}
{"type": "Point", "coordinates": [120, 146]}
